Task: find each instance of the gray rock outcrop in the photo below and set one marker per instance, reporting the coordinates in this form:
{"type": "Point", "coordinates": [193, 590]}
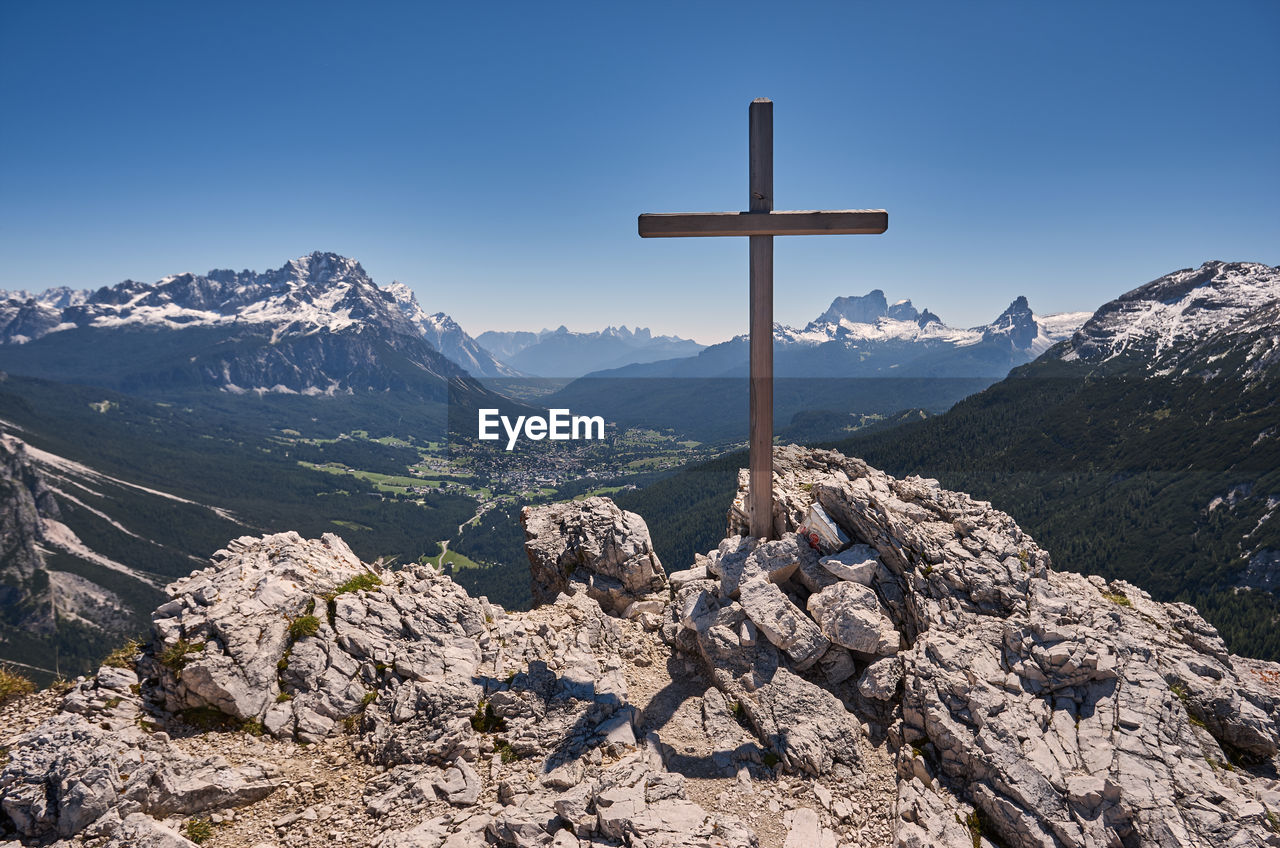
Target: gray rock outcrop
{"type": "Point", "coordinates": [592, 546]}
{"type": "Point", "coordinates": [95, 759]}
{"type": "Point", "coordinates": [298, 635]}
{"type": "Point", "coordinates": [936, 683]}
{"type": "Point", "coordinates": [1046, 708]}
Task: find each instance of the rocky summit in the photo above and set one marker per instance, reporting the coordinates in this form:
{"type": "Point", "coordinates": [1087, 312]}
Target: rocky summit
{"type": "Point", "coordinates": [934, 683]}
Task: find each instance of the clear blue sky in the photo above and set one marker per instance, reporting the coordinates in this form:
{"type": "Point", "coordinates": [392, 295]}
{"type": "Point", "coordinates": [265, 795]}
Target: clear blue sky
{"type": "Point", "coordinates": [494, 155]}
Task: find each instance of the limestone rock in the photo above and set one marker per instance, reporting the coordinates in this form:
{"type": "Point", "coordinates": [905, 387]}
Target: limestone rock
{"type": "Point", "coordinates": [879, 682]}
{"type": "Point", "coordinates": [782, 622]}
{"type": "Point", "coordinates": [70, 772]}
{"type": "Point", "coordinates": [594, 546]}
{"type": "Point", "coordinates": [849, 614]}
{"type": "Point", "coordinates": [804, 723]}
{"type": "Point", "coordinates": [1014, 704]}
{"type": "Point", "coordinates": [1059, 709]}
{"type": "Point", "coordinates": [291, 634]}
{"type": "Point", "coordinates": [141, 831]}
{"type": "Point", "coordinates": [858, 563]}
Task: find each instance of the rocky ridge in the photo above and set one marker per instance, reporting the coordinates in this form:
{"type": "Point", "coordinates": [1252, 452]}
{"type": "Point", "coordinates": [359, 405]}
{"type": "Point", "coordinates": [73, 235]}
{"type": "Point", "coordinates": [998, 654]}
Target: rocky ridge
{"type": "Point", "coordinates": [317, 325]}
{"type": "Point", "coordinates": [1172, 314]}
{"type": "Point", "coordinates": [935, 683]}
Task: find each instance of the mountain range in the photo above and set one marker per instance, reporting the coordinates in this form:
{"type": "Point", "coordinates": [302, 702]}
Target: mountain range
{"type": "Point", "coordinates": [861, 357]}
{"type": "Point", "coordinates": [316, 326]}
{"type": "Point", "coordinates": [868, 337]}
{"type": "Point", "coordinates": [563, 353]}
{"type": "Point", "coordinates": [320, 325]}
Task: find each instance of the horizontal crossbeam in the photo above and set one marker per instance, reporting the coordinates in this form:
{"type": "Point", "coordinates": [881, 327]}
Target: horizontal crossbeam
{"type": "Point", "coordinates": [805, 223]}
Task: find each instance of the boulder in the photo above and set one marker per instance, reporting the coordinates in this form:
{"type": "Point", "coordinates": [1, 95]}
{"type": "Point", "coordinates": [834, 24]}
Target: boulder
{"type": "Point", "coordinates": [850, 615]}
{"type": "Point", "coordinates": [782, 623]}
{"type": "Point", "coordinates": [593, 546]}
{"type": "Point", "coordinates": [858, 564]}
{"type": "Point", "coordinates": [880, 679]}
{"type": "Point", "coordinates": [290, 634]}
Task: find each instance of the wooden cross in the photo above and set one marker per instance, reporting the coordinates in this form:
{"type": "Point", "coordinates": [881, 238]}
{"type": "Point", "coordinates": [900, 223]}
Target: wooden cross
{"type": "Point", "coordinates": [761, 223]}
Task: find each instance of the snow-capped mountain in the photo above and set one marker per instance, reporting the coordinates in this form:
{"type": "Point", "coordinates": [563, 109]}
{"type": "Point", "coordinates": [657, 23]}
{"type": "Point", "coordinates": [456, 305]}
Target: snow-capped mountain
{"type": "Point", "coordinates": [1172, 313]}
{"type": "Point", "coordinates": [58, 296]}
{"type": "Point", "coordinates": [317, 325]}
{"type": "Point", "coordinates": [564, 353]}
{"type": "Point", "coordinates": [322, 291]}
{"type": "Point", "coordinates": [867, 336]}
{"type": "Point", "coordinates": [863, 356]}
{"type": "Point", "coordinates": [871, 318]}
{"type": "Point", "coordinates": [445, 335]}
{"type": "Point", "coordinates": [869, 308]}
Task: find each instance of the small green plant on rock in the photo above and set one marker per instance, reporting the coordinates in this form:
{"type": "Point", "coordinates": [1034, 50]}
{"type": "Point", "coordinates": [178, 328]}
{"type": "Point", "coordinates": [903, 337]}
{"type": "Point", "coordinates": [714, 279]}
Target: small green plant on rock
{"type": "Point", "coordinates": [1118, 598]}
{"type": "Point", "coordinates": [770, 759]}
{"type": "Point", "coordinates": [124, 656]}
{"type": "Point", "coordinates": [175, 657]}
{"type": "Point", "coordinates": [363, 581]}
{"type": "Point", "coordinates": [199, 831]}
{"type": "Point", "coordinates": [974, 824]}
{"type": "Point", "coordinates": [505, 751]}
{"type": "Point", "coordinates": [485, 720]}
{"type": "Point", "coordinates": [303, 626]}
{"type": "Point", "coordinates": [13, 685]}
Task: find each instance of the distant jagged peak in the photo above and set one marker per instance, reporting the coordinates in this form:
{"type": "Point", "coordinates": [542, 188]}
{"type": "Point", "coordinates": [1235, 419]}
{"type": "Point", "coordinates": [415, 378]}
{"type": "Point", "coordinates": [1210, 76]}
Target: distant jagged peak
{"type": "Point", "coordinates": [865, 309]}
{"type": "Point", "coordinates": [443, 321]}
{"type": "Point", "coordinates": [320, 267]}
{"type": "Point", "coordinates": [58, 297]}
{"type": "Point", "coordinates": [1017, 322]}
{"type": "Point", "coordinates": [903, 311]}
{"type": "Point", "coordinates": [869, 309]}
{"type": "Point", "coordinates": [401, 292]}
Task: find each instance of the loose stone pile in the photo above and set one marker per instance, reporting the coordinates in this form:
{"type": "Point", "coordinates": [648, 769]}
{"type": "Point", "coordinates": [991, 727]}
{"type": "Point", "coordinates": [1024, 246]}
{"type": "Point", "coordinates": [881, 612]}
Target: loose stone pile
{"type": "Point", "coordinates": [936, 683]}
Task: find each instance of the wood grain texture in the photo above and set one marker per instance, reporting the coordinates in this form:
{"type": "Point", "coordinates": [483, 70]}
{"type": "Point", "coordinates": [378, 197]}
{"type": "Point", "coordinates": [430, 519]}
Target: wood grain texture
{"type": "Point", "coordinates": [760, 180]}
{"type": "Point", "coordinates": [766, 223]}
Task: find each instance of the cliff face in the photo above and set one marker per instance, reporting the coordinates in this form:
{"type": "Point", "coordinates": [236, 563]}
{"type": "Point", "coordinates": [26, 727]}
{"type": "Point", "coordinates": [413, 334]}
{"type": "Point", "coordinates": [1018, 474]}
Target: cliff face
{"type": "Point", "coordinates": [36, 598]}
{"type": "Point", "coordinates": [936, 683]}
{"type": "Point", "coordinates": [25, 599]}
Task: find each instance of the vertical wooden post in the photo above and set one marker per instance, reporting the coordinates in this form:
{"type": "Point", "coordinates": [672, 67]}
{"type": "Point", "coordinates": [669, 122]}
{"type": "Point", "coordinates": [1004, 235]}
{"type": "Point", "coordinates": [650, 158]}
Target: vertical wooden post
{"type": "Point", "coordinates": [760, 495]}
